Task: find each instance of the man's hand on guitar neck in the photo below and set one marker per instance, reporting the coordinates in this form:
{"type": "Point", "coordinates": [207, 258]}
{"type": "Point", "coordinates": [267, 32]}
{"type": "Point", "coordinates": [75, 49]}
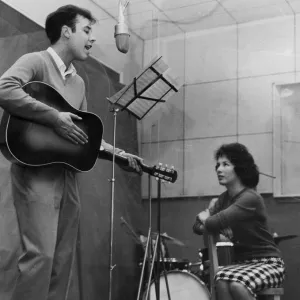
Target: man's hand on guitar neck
{"type": "Point", "coordinates": [66, 128]}
{"type": "Point", "coordinates": [133, 162]}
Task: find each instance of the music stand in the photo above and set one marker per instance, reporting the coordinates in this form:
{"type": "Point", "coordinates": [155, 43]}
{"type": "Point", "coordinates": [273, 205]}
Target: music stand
{"type": "Point", "coordinates": [155, 84]}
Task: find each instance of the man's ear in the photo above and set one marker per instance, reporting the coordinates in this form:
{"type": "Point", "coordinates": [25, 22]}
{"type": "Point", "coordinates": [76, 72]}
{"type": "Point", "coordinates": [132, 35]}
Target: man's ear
{"type": "Point", "coordinates": [66, 31]}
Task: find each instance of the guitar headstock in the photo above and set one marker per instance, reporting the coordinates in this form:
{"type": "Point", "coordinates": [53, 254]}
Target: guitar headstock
{"type": "Point", "coordinates": [164, 173]}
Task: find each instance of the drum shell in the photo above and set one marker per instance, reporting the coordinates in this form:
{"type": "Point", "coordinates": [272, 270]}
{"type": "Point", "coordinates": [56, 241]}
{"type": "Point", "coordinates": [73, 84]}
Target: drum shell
{"type": "Point", "coordinates": [182, 285]}
{"type": "Point", "coordinates": [225, 252]}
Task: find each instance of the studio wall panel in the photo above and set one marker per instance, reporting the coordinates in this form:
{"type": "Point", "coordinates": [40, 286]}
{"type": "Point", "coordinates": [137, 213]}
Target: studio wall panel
{"type": "Point", "coordinates": [297, 41]}
{"type": "Point", "coordinates": [211, 109]}
{"type": "Point", "coordinates": [266, 47]}
{"type": "Point", "coordinates": [211, 55]}
{"type": "Point", "coordinates": [255, 105]}
{"type": "Point", "coordinates": [175, 55]}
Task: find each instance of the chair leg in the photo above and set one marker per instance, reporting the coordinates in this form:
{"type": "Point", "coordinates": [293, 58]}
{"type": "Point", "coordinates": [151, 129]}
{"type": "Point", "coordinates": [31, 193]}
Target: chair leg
{"type": "Point", "coordinates": [272, 297]}
{"type": "Point", "coordinates": [269, 297]}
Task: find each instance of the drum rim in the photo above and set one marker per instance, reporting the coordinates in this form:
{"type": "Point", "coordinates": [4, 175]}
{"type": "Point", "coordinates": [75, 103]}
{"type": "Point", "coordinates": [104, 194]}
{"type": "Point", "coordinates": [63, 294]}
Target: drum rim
{"type": "Point", "coordinates": [224, 244]}
{"type": "Point", "coordinates": [173, 259]}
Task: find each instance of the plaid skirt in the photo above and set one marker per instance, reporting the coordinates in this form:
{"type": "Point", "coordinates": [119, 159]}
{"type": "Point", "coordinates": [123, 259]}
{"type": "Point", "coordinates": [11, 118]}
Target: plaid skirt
{"type": "Point", "coordinates": [255, 274]}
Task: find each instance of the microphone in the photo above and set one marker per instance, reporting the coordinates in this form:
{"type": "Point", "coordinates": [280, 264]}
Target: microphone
{"type": "Point", "coordinates": [121, 32]}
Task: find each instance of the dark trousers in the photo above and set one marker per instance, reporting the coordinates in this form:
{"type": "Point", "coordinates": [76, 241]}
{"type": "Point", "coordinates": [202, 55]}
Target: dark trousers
{"type": "Point", "coordinates": [47, 206]}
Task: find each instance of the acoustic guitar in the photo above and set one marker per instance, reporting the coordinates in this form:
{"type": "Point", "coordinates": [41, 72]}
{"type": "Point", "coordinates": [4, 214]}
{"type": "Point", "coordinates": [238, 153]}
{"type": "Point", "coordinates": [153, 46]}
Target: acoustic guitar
{"type": "Point", "coordinates": [36, 145]}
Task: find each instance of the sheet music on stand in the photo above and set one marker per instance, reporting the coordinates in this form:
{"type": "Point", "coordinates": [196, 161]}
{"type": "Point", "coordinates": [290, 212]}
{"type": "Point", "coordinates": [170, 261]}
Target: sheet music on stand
{"type": "Point", "coordinates": [155, 84]}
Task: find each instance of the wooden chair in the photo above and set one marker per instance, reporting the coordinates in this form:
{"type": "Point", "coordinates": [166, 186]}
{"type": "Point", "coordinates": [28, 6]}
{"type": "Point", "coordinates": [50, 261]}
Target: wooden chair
{"type": "Point", "coordinates": [210, 241]}
{"type": "Point", "coordinates": [271, 294]}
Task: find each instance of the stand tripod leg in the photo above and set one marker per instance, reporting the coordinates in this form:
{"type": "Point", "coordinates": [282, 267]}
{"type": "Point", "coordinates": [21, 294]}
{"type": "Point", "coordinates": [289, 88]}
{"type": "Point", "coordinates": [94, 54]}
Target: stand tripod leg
{"type": "Point", "coordinates": [156, 255]}
{"type": "Point", "coordinates": [151, 268]}
{"type": "Point", "coordinates": [158, 288]}
{"type": "Point", "coordinates": [157, 268]}
{"type": "Point", "coordinates": [165, 276]}
{"type": "Point", "coordinates": [157, 248]}
{"type": "Point", "coordinates": [159, 241]}
{"type": "Point", "coordinates": [144, 264]}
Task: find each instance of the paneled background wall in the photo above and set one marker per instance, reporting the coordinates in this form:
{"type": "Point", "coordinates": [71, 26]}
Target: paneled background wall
{"type": "Point", "coordinates": [227, 97]}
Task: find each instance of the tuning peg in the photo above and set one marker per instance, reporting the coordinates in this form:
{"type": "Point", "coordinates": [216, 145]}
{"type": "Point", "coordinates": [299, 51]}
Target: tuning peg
{"type": "Point", "coordinates": [172, 167]}
{"type": "Point", "coordinates": [158, 166]}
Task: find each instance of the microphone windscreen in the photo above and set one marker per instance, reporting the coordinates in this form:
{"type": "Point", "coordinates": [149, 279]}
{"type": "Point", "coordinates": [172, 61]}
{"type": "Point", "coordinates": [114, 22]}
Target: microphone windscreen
{"type": "Point", "coordinates": [122, 42]}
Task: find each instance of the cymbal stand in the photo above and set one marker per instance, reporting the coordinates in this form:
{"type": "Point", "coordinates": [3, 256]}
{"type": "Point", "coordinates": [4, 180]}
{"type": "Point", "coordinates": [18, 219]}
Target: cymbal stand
{"type": "Point", "coordinates": [147, 254]}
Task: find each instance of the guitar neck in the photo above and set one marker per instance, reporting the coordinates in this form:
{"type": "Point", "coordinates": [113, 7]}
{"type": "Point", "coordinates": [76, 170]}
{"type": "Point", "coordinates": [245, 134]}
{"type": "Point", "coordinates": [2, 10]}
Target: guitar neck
{"type": "Point", "coordinates": [120, 160]}
{"type": "Point", "coordinates": [163, 173]}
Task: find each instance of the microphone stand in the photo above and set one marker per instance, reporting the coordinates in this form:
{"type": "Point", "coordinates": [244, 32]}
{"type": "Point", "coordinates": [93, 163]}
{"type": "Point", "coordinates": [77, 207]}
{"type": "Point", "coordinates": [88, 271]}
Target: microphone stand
{"type": "Point", "coordinates": [112, 180]}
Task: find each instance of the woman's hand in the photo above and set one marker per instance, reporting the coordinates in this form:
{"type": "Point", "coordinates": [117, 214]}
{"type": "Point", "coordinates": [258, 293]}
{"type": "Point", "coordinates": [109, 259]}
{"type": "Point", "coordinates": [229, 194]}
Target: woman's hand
{"type": "Point", "coordinates": [198, 227]}
{"type": "Point", "coordinates": [203, 215]}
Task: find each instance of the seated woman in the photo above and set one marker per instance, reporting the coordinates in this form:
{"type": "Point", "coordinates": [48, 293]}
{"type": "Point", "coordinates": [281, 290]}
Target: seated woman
{"type": "Point", "coordinates": [240, 214]}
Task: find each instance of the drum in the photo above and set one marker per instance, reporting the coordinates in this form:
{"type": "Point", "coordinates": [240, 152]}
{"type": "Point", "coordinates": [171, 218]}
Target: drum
{"type": "Point", "coordinates": [174, 264]}
{"type": "Point", "coordinates": [182, 286]}
{"type": "Point", "coordinates": [225, 251]}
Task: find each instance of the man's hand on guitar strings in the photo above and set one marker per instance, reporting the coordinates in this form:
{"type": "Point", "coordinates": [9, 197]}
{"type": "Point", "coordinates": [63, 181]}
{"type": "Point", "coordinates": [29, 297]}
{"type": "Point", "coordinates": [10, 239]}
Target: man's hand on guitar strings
{"type": "Point", "coordinates": [133, 162]}
{"type": "Point", "coordinates": [66, 128]}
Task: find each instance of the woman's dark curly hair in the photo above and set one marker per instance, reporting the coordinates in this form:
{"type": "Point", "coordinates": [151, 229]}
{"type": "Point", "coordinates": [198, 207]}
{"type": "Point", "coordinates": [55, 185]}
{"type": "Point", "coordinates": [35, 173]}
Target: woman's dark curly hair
{"type": "Point", "coordinates": [243, 162]}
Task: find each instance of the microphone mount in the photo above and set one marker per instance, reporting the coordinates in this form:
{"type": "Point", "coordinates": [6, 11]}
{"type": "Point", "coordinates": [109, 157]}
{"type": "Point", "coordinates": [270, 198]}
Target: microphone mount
{"type": "Point", "coordinates": [121, 30]}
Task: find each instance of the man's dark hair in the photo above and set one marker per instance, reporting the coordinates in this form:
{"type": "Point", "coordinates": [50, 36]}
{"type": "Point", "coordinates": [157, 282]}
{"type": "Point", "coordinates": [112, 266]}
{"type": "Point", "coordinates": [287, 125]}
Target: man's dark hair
{"type": "Point", "coordinates": [65, 15]}
{"type": "Point", "coordinates": [243, 162]}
